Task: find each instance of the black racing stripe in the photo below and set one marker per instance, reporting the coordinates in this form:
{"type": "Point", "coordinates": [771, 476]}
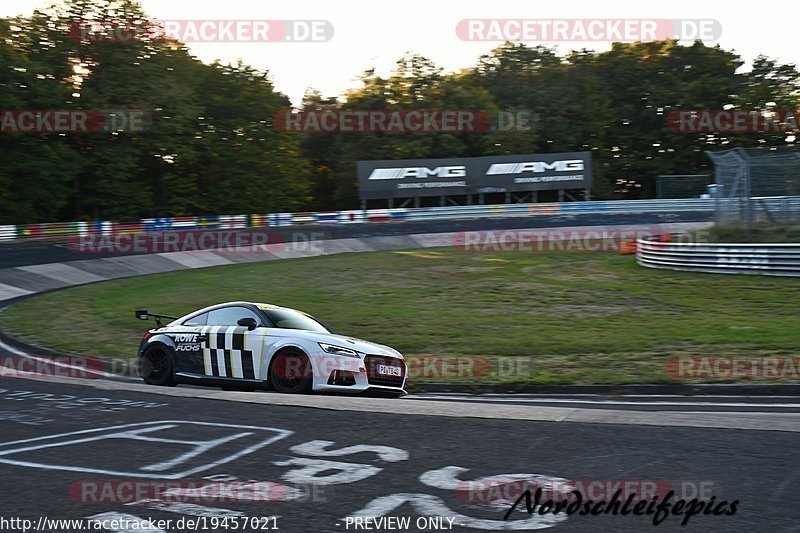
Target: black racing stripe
{"type": "Point", "coordinates": [247, 365]}
{"type": "Point", "coordinates": [220, 340]}
{"type": "Point", "coordinates": [238, 341]}
{"type": "Point", "coordinates": [228, 363]}
{"type": "Point", "coordinates": [214, 367]}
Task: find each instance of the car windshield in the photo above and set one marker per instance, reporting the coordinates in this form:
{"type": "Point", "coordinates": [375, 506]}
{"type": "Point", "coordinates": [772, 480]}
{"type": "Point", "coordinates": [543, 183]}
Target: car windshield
{"type": "Point", "coordinates": [288, 319]}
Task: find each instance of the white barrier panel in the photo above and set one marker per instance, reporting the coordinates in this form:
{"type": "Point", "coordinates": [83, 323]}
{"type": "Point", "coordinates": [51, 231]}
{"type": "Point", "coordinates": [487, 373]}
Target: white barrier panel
{"type": "Point", "coordinates": [8, 233]}
{"type": "Point", "coordinates": [725, 258]}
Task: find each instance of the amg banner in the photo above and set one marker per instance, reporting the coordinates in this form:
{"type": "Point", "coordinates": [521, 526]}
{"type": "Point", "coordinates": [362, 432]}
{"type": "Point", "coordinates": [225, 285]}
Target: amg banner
{"type": "Point", "coordinates": [410, 178]}
{"type": "Point", "coordinates": [534, 172]}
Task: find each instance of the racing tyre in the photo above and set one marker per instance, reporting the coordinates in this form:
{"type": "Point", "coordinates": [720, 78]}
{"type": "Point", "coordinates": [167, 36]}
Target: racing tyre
{"type": "Point", "coordinates": [157, 366]}
{"type": "Point", "coordinates": [290, 372]}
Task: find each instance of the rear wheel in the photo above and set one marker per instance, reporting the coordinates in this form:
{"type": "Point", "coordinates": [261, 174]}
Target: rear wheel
{"type": "Point", "coordinates": [290, 372]}
{"type": "Point", "coordinates": [157, 366]}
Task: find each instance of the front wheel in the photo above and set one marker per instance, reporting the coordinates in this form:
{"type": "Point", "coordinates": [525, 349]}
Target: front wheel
{"type": "Point", "coordinates": [157, 366]}
{"type": "Point", "coordinates": [290, 373]}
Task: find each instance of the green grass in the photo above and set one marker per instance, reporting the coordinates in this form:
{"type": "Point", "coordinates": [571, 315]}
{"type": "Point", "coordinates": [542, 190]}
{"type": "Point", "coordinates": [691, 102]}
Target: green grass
{"type": "Point", "coordinates": [576, 318]}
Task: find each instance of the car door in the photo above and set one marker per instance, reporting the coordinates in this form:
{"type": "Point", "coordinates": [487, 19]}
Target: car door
{"type": "Point", "coordinates": [232, 351]}
{"type": "Point", "coordinates": [189, 338]}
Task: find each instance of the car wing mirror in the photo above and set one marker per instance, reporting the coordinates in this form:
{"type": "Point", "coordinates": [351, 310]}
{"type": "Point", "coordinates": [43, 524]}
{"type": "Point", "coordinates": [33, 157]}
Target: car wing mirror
{"type": "Point", "coordinates": [248, 322]}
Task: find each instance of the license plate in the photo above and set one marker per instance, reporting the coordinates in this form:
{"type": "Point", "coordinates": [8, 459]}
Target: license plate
{"type": "Point", "coordinates": [387, 370]}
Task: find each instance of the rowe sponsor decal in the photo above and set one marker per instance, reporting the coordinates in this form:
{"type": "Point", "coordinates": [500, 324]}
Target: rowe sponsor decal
{"type": "Point", "coordinates": [186, 342]}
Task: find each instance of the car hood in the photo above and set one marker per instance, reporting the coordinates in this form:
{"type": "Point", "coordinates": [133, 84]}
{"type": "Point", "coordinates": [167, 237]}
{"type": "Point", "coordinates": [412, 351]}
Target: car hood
{"type": "Point", "coordinates": [353, 343]}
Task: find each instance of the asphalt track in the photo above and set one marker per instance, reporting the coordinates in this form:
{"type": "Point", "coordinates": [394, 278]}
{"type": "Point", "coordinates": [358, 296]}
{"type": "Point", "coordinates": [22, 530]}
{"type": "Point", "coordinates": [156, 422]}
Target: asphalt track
{"type": "Point", "coordinates": [328, 460]}
{"type": "Point", "coordinates": [401, 458]}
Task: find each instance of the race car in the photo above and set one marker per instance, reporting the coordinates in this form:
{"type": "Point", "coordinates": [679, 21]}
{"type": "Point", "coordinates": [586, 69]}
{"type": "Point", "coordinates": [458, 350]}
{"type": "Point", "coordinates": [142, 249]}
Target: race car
{"type": "Point", "coordinates": [247, 346]}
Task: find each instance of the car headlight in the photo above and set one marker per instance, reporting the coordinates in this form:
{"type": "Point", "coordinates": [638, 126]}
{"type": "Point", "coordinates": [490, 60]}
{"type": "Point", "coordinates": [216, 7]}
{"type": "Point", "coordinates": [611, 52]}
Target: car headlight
{"type": "Point", "coordinates": [338, 350]}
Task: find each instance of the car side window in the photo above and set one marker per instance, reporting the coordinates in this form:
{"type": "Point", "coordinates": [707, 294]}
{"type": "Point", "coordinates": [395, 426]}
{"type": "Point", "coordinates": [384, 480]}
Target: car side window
{"type": "Point", "coordinates": [229, 316]}
{"type": "Point", "coordinates": [199, 320]}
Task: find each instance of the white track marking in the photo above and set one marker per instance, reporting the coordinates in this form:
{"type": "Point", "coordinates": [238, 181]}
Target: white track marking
{"type": "Point", "coordinates": [427, 505]}
{"type": "Point", "coordinates": [762, 420]}
{"type": "Point", "coordinates": [606, 402]}
{"type": "Point", "coordinates": [7, 348]}
{"type": "Point", "coordinates": [307, 470]}
{"type": "Point", "coordinates": [316, 448]}
{"type": "Point", "coordinates": [191, 509]}
{"type": "Point", "coordinates": [277, 434]}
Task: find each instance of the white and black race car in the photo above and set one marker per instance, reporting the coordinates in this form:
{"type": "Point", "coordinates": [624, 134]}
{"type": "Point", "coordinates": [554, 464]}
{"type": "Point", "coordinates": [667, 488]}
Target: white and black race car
{"type": "Point", "coordinates": [244, 345]}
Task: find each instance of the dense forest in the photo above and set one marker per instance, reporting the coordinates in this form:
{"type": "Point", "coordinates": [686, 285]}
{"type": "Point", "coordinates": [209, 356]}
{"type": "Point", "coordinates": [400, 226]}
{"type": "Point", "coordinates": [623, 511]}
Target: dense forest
{"type": "Point", "coordinates": [210, 145]}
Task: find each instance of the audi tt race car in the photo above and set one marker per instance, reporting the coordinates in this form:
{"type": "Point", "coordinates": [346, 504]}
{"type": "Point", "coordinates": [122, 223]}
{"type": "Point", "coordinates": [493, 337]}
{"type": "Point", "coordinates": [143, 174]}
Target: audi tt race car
{"type": "Point", "coordinates": [243, 345]}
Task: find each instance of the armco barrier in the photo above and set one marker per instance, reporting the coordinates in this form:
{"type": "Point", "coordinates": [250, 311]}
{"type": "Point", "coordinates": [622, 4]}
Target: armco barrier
{"type": "Point", "coordinates": [729, 258]}
{"type": "Point", "coordinates": [67, 229]}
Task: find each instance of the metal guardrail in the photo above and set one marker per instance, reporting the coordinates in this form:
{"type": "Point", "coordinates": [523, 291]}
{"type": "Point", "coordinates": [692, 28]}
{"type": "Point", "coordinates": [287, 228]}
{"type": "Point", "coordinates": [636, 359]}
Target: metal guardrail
{"type": "Point", "coordinates": [562, 208]}
{"type": "Point", "coordinates": [724, 258]}
{"type": "Point", "coordinates": [62, 230]}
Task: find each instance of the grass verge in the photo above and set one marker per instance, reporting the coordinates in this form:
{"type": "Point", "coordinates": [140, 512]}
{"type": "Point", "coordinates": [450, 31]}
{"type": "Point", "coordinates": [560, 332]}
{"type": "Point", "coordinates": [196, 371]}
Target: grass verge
{"type": "Point", "coordinates": [571, 318]}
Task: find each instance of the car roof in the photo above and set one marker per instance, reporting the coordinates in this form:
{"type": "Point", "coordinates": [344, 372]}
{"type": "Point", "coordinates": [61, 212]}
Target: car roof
{"type": "Point", "coordinates": [259, 305]}
{"type": "Point", "coordinates": [272, 307]}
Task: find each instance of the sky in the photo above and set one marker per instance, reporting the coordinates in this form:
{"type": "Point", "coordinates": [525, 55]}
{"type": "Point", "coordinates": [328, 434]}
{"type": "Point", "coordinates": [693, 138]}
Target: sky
{"type": "Point", "coordinates": [375, 34]}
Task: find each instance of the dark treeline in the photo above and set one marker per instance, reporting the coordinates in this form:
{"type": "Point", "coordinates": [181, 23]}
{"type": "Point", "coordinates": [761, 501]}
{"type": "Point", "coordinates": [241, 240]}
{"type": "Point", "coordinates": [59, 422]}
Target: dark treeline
{"type": "Point", "coordinates": [210, 146]}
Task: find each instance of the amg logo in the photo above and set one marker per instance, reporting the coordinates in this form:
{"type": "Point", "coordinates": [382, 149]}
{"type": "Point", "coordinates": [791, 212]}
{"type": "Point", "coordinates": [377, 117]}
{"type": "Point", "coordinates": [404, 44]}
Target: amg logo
{"type": "Point", "coordinates": [418, 172]}
{"type": "Point", "coordinates": [569, 165]}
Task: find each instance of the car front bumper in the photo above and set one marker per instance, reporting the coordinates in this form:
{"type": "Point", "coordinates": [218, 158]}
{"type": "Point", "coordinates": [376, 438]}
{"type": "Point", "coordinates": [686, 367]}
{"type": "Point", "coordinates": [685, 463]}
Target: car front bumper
{"type": "Point", "coordinates": [356, 376]}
